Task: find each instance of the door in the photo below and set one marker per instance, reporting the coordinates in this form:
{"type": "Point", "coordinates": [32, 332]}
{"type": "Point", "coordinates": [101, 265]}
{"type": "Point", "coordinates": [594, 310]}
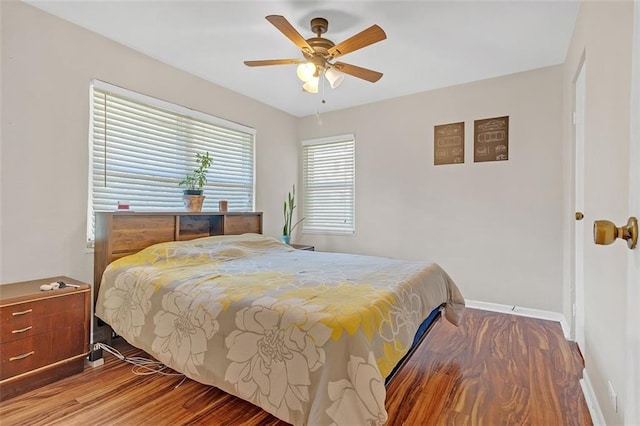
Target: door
{"type": "Point", "coordinates": [632, 414]}
{"type": "Point", "coordinates": [578, 122]}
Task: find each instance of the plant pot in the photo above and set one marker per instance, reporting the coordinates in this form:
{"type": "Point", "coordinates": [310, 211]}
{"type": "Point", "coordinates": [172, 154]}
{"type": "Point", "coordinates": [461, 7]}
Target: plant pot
{"type": "Point", "coordinates": [286, 239]}
{"type": "Point", "coordinates": [193, 203]}
{"type": "Point", "coordinates": [192, 191]}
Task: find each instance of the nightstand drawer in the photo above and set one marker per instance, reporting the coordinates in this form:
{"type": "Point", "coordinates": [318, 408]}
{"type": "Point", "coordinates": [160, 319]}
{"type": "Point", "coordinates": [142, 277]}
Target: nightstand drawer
{"type": "Point", "coordinates": [31, 318]}
{"type": "Point", "coordinates": [29, 353]}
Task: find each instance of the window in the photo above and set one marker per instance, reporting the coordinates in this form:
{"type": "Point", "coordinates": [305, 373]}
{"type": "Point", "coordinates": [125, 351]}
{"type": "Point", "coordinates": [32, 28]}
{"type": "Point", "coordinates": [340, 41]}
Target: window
{"type": "Point", "coordinates": [141, 147]}
{"type": "Point", "coordinates": [329, 185]}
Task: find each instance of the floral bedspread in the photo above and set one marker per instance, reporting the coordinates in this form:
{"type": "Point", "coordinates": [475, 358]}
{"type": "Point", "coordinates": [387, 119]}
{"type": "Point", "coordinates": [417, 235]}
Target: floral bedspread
{"type": "Point", "coordinates": [307, 336]}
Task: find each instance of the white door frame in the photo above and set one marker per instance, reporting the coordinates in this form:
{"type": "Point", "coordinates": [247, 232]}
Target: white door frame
{"type": "Point", "coordinates": [578, 190]}
{"type": "Point", "coordinates": [632, 408]}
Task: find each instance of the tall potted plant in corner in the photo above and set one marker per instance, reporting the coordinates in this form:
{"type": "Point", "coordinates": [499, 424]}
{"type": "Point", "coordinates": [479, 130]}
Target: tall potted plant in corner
{"type": "Point", "coordinates": [194, 182]}
{"type": "Point", "coordinates": [289, 207]}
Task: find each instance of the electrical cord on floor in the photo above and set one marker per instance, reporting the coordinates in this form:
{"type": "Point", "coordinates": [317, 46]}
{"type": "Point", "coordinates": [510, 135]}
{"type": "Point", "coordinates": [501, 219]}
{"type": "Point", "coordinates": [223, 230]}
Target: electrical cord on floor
{"type": "Point", "coordinates": [141, 366]}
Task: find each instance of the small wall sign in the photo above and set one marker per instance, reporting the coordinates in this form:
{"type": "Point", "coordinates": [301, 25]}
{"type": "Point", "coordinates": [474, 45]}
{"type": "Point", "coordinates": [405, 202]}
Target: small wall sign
{"type": "Point", "coordinates": [448, 143]}
{"type": "Point", "coordinates": [491, 139]}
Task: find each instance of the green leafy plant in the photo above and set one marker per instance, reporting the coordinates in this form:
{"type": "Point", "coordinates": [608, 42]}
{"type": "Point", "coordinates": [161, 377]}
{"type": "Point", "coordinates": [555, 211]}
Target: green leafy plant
{"type": "Point", "coordinates": [289, 207]}
{"type": "Point", "coordinates": [198, 178]}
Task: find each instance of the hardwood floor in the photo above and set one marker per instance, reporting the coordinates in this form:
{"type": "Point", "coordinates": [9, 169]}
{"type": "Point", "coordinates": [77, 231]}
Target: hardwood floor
{"type": "Point", "coordinates": [494, 369]}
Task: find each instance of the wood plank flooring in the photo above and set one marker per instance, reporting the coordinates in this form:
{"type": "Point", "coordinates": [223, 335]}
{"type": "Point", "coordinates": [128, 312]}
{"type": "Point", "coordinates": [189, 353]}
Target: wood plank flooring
{"type": "Point", "coordinates": [494, 369]}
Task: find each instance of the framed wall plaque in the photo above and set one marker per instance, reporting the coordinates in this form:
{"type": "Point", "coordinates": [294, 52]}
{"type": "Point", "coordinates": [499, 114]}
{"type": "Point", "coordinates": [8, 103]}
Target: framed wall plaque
{"type": "Point", "coordinates": [448, 143]}
{"type": "Point", "coordinates": [491, 139]}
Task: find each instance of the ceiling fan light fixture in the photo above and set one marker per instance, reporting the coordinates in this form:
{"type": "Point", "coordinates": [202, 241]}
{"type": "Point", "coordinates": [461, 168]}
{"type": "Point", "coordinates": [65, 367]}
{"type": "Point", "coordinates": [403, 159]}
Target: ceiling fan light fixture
{"type": "Point", "coordinates": [311, 86]}
{"type": "Point", "coordinates": [305, 71]}
{"type": "Point", "coordinates": [334, 77]}
{"type": "Point", "coordinates": [319, 53]}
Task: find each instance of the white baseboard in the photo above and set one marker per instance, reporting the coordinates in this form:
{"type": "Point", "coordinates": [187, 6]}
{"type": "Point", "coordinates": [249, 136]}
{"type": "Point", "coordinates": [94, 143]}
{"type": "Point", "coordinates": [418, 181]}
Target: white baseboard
{"type": "Point", "coordinates": [592, 402]}
{"type": "Point", "coordinates": [488, 306]}
{"type": "Point", "coordinates": [566, 329]}
{"type": "Point", "coordinates": [523, 312]}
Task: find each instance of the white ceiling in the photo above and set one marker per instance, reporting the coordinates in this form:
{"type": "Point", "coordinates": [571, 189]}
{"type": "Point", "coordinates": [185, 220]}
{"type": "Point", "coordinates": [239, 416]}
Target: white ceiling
{"type": "Point", "coordinates": [430, 44]}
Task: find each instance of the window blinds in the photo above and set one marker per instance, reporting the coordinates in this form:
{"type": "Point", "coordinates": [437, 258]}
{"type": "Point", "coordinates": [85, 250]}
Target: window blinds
{"type": "Point", "coordinates": [329, 185]}
{"type": "Point", "coordinates": [140, 151]}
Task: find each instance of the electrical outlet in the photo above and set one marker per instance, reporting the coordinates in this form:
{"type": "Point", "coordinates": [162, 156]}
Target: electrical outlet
{"type": "Point", "coordinates": [95, 358]}
{"type": "Point", "coordinates": [96, 354]}
{"type": "Point", "coordinates": [612, 397]}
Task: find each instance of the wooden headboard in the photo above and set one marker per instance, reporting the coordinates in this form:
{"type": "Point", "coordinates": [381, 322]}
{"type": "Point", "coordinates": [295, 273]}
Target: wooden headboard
{"type": "Point", "coordinates": [119, 234]}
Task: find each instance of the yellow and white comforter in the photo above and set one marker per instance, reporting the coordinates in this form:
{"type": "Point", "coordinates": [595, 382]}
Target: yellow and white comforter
{"type": "Point", "coordinates": [307, 336]}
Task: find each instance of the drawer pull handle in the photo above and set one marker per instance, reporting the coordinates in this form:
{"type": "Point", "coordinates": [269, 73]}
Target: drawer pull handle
{"type": "Point", "coordinates": [22, 330]}
{"type": "Point", "coordinates": [15, 314]}
{"type": "Point", "coordinates": [23, 356]}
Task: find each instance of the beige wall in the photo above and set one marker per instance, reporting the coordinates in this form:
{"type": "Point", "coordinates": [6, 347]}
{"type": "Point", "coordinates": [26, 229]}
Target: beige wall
{"type": "Point", "coordinates": [500, 229]}
{"type": "Point", "coordinates": [495, 227]}
{"type": "Point", "coordinates": [47, 64]}
{"type": "Point", "coordinates": [603, 34]}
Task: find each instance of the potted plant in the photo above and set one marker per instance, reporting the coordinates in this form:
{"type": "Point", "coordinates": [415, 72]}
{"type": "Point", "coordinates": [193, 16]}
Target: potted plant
{"type": "Point", "coordinates": [289, 207]}
{"type": "Point", "coordinates": [194, 182]}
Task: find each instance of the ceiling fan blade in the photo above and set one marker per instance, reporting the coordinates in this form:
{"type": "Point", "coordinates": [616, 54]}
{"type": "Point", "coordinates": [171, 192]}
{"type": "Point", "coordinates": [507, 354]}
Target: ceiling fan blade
{"type": "Point", "coordinates": [364, 38]}
{"type": "Point", "coordinates": [262, 63]}
{"type": "Point", "coordinates": [281, 23]}
{"type": "Point", "coordinates": [363, 73]}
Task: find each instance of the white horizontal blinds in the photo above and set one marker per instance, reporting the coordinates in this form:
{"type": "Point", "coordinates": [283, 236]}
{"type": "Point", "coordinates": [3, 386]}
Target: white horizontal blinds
{"type": "Point", "coordinates": [138, 155]}
{"type": "Point", "coordinates": [329, 185]}
{"type": "Point", "coordinates": [141, 151]}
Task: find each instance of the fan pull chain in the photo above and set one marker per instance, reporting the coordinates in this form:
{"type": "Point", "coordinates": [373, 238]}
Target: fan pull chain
{"type": "Point", "coordinates": [323, 86]}
{"type": "Point", "coordinates": [323, 102]}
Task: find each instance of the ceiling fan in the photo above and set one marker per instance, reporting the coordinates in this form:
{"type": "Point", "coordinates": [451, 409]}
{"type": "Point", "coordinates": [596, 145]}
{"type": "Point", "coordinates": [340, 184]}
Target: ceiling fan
{"type": "Point", "coordinates": [319, 53]}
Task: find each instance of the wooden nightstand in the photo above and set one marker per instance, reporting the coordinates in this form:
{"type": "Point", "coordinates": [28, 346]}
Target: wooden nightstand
{"type": "Point", "coordinates": [303, 247]}
{"type": "Point", "coordinates": [44, 335]}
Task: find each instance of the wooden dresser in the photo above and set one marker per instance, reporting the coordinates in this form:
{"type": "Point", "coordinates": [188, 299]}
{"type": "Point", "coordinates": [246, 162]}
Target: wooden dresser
{"type": "Point", "coordinates": [44, 335]}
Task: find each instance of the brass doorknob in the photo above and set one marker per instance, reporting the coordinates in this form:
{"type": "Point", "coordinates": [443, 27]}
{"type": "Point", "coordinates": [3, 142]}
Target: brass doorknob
{"type": "Point", "coordinates": [579, 216]}
{"type": "Point", "coordinates": [606, 232]}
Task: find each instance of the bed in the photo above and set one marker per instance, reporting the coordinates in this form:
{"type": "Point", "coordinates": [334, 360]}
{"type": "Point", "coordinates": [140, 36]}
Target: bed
{"type": "Point", "coordinates": [308, 336]}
